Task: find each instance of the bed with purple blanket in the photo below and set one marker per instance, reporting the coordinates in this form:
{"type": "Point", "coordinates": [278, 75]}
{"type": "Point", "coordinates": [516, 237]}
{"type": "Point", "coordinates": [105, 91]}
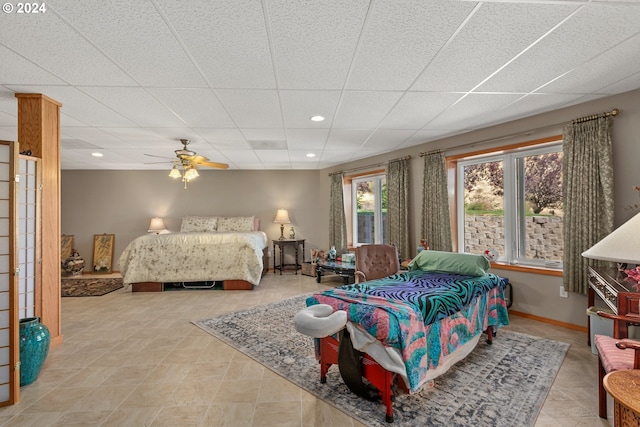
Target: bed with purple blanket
{"type": "Point", "coordinates": [418, 323]}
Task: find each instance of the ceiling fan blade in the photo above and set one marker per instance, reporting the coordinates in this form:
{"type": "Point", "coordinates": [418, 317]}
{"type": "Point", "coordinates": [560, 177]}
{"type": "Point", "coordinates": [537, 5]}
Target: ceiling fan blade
{"type": "Point", "coordinates": [157, 163]}
{"type": "Point", "coordinates": [214, 165]}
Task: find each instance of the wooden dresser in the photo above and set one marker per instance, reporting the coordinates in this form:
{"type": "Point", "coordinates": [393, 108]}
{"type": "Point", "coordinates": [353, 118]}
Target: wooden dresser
{"type": "Point", "coordinates": [619, 292]}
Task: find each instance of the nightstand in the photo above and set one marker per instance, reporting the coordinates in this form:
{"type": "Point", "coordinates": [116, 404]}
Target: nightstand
{"type": "Point", "coordinates": [283, 243]}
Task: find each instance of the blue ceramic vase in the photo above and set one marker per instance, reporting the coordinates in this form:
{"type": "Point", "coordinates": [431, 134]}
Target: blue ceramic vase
{"type": "Point", "coordinates": [34, 347]}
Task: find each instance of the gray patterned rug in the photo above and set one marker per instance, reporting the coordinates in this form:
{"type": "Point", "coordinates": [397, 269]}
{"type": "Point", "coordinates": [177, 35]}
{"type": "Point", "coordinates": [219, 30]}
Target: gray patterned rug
{"type": "Point", "coordinates": [504, 384]}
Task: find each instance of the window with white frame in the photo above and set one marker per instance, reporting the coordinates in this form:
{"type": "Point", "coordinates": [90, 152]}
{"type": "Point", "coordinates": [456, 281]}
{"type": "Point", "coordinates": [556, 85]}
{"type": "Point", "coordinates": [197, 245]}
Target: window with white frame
{"type": "Point", "coordinates": [369, 209]}
{"type": "Point", "coordinates": [509, 202]}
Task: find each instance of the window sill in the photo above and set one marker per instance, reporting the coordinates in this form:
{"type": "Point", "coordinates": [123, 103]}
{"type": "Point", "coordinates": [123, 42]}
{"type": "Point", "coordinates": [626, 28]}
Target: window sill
{"type": "Point", "coordinates": [527, 269]}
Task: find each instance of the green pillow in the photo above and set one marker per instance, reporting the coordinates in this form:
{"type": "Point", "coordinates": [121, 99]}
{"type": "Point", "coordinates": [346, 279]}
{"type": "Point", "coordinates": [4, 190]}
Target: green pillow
{"type": "Point", "coordinates": [450, 262]}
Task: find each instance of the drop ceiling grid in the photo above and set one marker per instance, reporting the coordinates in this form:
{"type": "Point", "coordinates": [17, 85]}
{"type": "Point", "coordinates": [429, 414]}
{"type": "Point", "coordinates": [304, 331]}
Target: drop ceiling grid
{"type": "Point", "coordinates": [88, 66]}
{"type": "Point", "coordinates": [78, 105]}
{"type": "Point", "coordinates": [364, 110]}
{"type": "Point", "coordinates": [346, 138]}
{"type": "Point", "coordinates": [480, 47]}
{"type": "Point", "coordinates": [597, 73]}
{"type": "Point", "coordinates": [465, 113]}
{"type": "Point", "coordinates": [572, 44]}
{"type": "Point", "coordinates": [227, 39]}
{"type": "Point", "coordinates": [153, 54]}
{"type": "Point", "coordinates": [23, 71]}
{"type": "Point", "coordinates": [299, 105]}
{"type": "Point", "coordinates": [197, 107]}
{"type": "Point", "coordinates": [307, 139]}
{"type": "Point", "coordinates": [252, 108]}
{"type": "Point", "coordinates": [136, 104]}
{"type": "Point", "coordinates": [387, 138]}
{"type": "Point", "coordinates": [314, 44]}
{"type": "Point", "coordinates": [415, 109]}
{"type": "Point", "coordinates": [223, 138]}
{"type": "Point", "coordinates": [399, 41]}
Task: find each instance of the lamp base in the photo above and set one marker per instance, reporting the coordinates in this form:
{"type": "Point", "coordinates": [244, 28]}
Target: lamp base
{"type": "Point", "coordinates": [281, 232]}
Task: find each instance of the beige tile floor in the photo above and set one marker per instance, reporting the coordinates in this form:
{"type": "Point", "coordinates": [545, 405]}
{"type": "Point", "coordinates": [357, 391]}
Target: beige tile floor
{"type": "Point", "coordinates": [134, 359]}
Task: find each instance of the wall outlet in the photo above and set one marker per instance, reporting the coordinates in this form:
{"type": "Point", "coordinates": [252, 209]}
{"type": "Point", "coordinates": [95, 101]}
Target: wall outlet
{"type": "Point", "coordinates": [563, 293]}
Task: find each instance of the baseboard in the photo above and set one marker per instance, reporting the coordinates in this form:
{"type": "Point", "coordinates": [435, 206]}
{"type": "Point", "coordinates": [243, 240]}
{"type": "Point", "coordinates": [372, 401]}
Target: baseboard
{"type": "Point", "coordinates": [549, 321]}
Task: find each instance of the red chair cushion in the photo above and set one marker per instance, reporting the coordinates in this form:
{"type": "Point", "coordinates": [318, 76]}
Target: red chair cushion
{"type": "Point", "coordinates": [613, 358]}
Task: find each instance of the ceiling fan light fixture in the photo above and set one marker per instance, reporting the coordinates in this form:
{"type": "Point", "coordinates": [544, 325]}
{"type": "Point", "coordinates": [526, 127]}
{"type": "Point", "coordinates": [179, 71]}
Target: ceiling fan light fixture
{"type": "Point", "coordinates": [190, 174]}
{"type": "Point", "coordinates": [175, 173]}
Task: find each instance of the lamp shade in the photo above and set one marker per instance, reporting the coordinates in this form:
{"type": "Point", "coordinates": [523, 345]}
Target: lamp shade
{"type": "Point", "coordinates": [157, 226]}
{"type": "Point", "coordinates": [282, 217]}
{"type": "Point", "coordinates": [622, 245]}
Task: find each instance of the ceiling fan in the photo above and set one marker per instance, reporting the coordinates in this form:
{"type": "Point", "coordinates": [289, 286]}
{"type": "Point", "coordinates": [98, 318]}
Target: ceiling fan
{"type": "Point", "coordinates": [189, 161]}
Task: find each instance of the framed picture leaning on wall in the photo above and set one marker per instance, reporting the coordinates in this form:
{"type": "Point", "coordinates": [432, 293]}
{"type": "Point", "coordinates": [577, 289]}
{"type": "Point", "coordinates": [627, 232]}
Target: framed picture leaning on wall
{"type": "Point", "coordinates": [103, 253]}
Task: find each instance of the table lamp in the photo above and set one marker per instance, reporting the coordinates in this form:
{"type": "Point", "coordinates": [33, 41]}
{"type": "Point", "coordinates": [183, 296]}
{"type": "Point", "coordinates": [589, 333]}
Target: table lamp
{"type": "Point", "coordinates": [282, 218]}
{"type": "Point", "coordinates": [157, 226]}
{"type": "Point", "coordinates": [622, 245]}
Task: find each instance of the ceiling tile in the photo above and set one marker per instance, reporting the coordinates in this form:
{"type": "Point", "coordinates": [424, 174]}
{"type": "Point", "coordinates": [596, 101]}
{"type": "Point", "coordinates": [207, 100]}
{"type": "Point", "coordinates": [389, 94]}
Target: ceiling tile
{"type": "Point", "coordinates": [252, 108]}
{"type": "Point", "coordinates": [467, 110]}
{"type": "Point", "coordinates": [299, 106]}
{"type": "Point", "coordinates": [343, 138]}
{"type": "Point", "coordinates": [227, 39]}
{"type": "Point", "coordinates": [572, 45]}
{"type": "Point", "coordinates": [364, 110]}
{"type": "Point", "coordinates": [314, 44]}
{"type": "Point", "coordinates": [400, 39]}
{"type": "Point", "coordinates": [415, 109]}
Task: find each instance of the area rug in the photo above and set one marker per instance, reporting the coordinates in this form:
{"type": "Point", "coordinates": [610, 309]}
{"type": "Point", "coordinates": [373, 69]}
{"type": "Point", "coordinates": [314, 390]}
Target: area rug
{"type": "Point", "coordinates": [89, 287]}
{"type": "Point", "coordinates": [504, 384]}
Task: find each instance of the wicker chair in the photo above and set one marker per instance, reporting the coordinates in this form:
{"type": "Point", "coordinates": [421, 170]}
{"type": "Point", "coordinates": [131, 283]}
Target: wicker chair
{"type": "Point", "coordinates": [375, 262]}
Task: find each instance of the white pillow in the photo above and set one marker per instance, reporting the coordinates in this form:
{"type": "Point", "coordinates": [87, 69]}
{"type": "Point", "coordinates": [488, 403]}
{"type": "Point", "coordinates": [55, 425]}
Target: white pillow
{"type": "Point", "coordinates": [191, 224]}
{"type": "Point", "coordinates": [236, 223]}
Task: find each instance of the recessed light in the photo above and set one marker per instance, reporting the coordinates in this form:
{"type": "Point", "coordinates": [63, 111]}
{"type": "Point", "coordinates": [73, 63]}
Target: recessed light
{"type": "Point", "coordinates": [311, 155]}
{"type": "Point", "coordinates": [317, 118]}
{"type": "Point", "coordinates": [97, 154]}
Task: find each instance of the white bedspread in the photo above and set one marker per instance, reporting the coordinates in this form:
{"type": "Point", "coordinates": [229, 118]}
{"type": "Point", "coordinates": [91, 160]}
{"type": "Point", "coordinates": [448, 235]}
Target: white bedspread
{"type": "Point", "coordinates": [194, 257]}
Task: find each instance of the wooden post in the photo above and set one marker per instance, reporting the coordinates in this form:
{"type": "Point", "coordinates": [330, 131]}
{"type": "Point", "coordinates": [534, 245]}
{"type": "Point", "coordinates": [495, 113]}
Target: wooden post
{"type": "Point", "coordinates": [39, 131]}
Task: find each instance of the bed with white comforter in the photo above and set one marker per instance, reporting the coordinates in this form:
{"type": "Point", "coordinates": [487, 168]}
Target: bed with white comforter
{"type": "Point", "coordinates": [194, 257]}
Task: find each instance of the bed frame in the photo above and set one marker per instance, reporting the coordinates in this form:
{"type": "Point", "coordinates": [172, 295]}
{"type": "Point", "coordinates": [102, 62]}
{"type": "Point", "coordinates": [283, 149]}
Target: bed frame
{"type": "Point", "coordinates": [378, 376]}
{"type": "Point", "coordinates": [227, 285]}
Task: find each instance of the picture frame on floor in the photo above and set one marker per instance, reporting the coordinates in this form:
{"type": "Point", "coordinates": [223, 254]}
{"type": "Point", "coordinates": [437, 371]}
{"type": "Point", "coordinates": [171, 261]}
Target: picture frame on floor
{"type": "Point", "coordinates": [66, 247]}
{"type": "Point", "coordinates": [103, 253]}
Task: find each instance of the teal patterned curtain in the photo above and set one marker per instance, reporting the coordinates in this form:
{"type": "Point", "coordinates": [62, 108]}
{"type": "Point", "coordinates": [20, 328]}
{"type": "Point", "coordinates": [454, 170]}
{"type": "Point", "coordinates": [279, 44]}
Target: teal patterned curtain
{"type": "Point", "coordinates": [587, 188]}
{"type": "Point", "coordinates": [398, 206]}
{"type": "Point", "coordinates": [436, 226]}
{"type": "Point", "coordinates": [337, 221]}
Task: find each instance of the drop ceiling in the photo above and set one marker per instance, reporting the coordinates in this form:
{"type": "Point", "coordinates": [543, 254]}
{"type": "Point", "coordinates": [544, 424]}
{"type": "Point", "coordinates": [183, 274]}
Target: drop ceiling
{"type": "Point", "coordinates": [241, 78]}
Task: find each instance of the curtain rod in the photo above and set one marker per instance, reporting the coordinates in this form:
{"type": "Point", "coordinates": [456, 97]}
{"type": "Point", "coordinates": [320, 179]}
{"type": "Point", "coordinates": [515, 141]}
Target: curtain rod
{"type": "Point", "coordinates": [426, 153]}
{"type": "Point", "coordinates": [369, 166]}
{"type": "Point", "coordinates": [613, 112]}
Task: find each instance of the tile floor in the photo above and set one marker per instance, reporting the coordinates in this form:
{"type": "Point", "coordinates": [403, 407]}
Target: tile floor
{"type": "Point", "coordinates": [134, 359]}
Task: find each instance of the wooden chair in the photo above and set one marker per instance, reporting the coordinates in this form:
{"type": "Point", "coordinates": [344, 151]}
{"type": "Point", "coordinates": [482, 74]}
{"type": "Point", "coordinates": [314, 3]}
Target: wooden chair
{"type": "Point", "coordinates": [615, 353]}
{"type": "Point", "coordinates": [375, 262]}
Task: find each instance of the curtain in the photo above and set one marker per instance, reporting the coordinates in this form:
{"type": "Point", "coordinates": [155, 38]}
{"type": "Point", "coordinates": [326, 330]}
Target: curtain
{"type": "Point", "coordinates": [587, 189]}
{"type": "Point", "coordinates": [337, 221]}
{"type": "Point", "coordinates": [398, 206]}
{"type": "Point", "coordinates": [436, 226]}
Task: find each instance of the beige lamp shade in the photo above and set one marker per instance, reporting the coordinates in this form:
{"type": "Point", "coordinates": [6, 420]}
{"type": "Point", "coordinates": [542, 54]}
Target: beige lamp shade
{"type": "Point", "coordinates": [157, 226]}
{"type": "Point", "coordinates": [282, 218]}
{"type": "Point", "coordinates": [622, 245]}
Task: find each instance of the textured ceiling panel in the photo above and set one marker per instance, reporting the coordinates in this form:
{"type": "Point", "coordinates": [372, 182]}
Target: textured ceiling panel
{"type": "Point", "coordinates": [299, 106]}
{"type": "Point", "coordinates": [312, 139]}
{"type": "Point", "coordinates": [416, 109]}
{"type": "Point", "coordinates": [31, 37]}
{"type": "Point", "coordinates": [464, 112]}
{"type": "Point", "coordinates": [314, 44]}
{"type": "Point", "coordinates": [252, 108]}
{"type": "Point", "coordinates": [198, 107]}
{"type": "Point", "coordinates": [364, 110]}
{"type": "Point", "coordinates": [449, 71]}
{"type": "Point", "coordinates": [571, 45]}
{"type": "Point", "coordinates": [136, 104]}
{"type": "Point", "coordinates": [153, 52]}
{"type": "Point", "coordinates": [227, 39]}
{"type": "Point", "coordinates": [400, 39]}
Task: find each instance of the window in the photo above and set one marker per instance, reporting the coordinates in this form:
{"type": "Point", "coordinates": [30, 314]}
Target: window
{"type": "Point", "coordinates": [511, 201]}
{"type": "Point", "coordinates": [369, 209]}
